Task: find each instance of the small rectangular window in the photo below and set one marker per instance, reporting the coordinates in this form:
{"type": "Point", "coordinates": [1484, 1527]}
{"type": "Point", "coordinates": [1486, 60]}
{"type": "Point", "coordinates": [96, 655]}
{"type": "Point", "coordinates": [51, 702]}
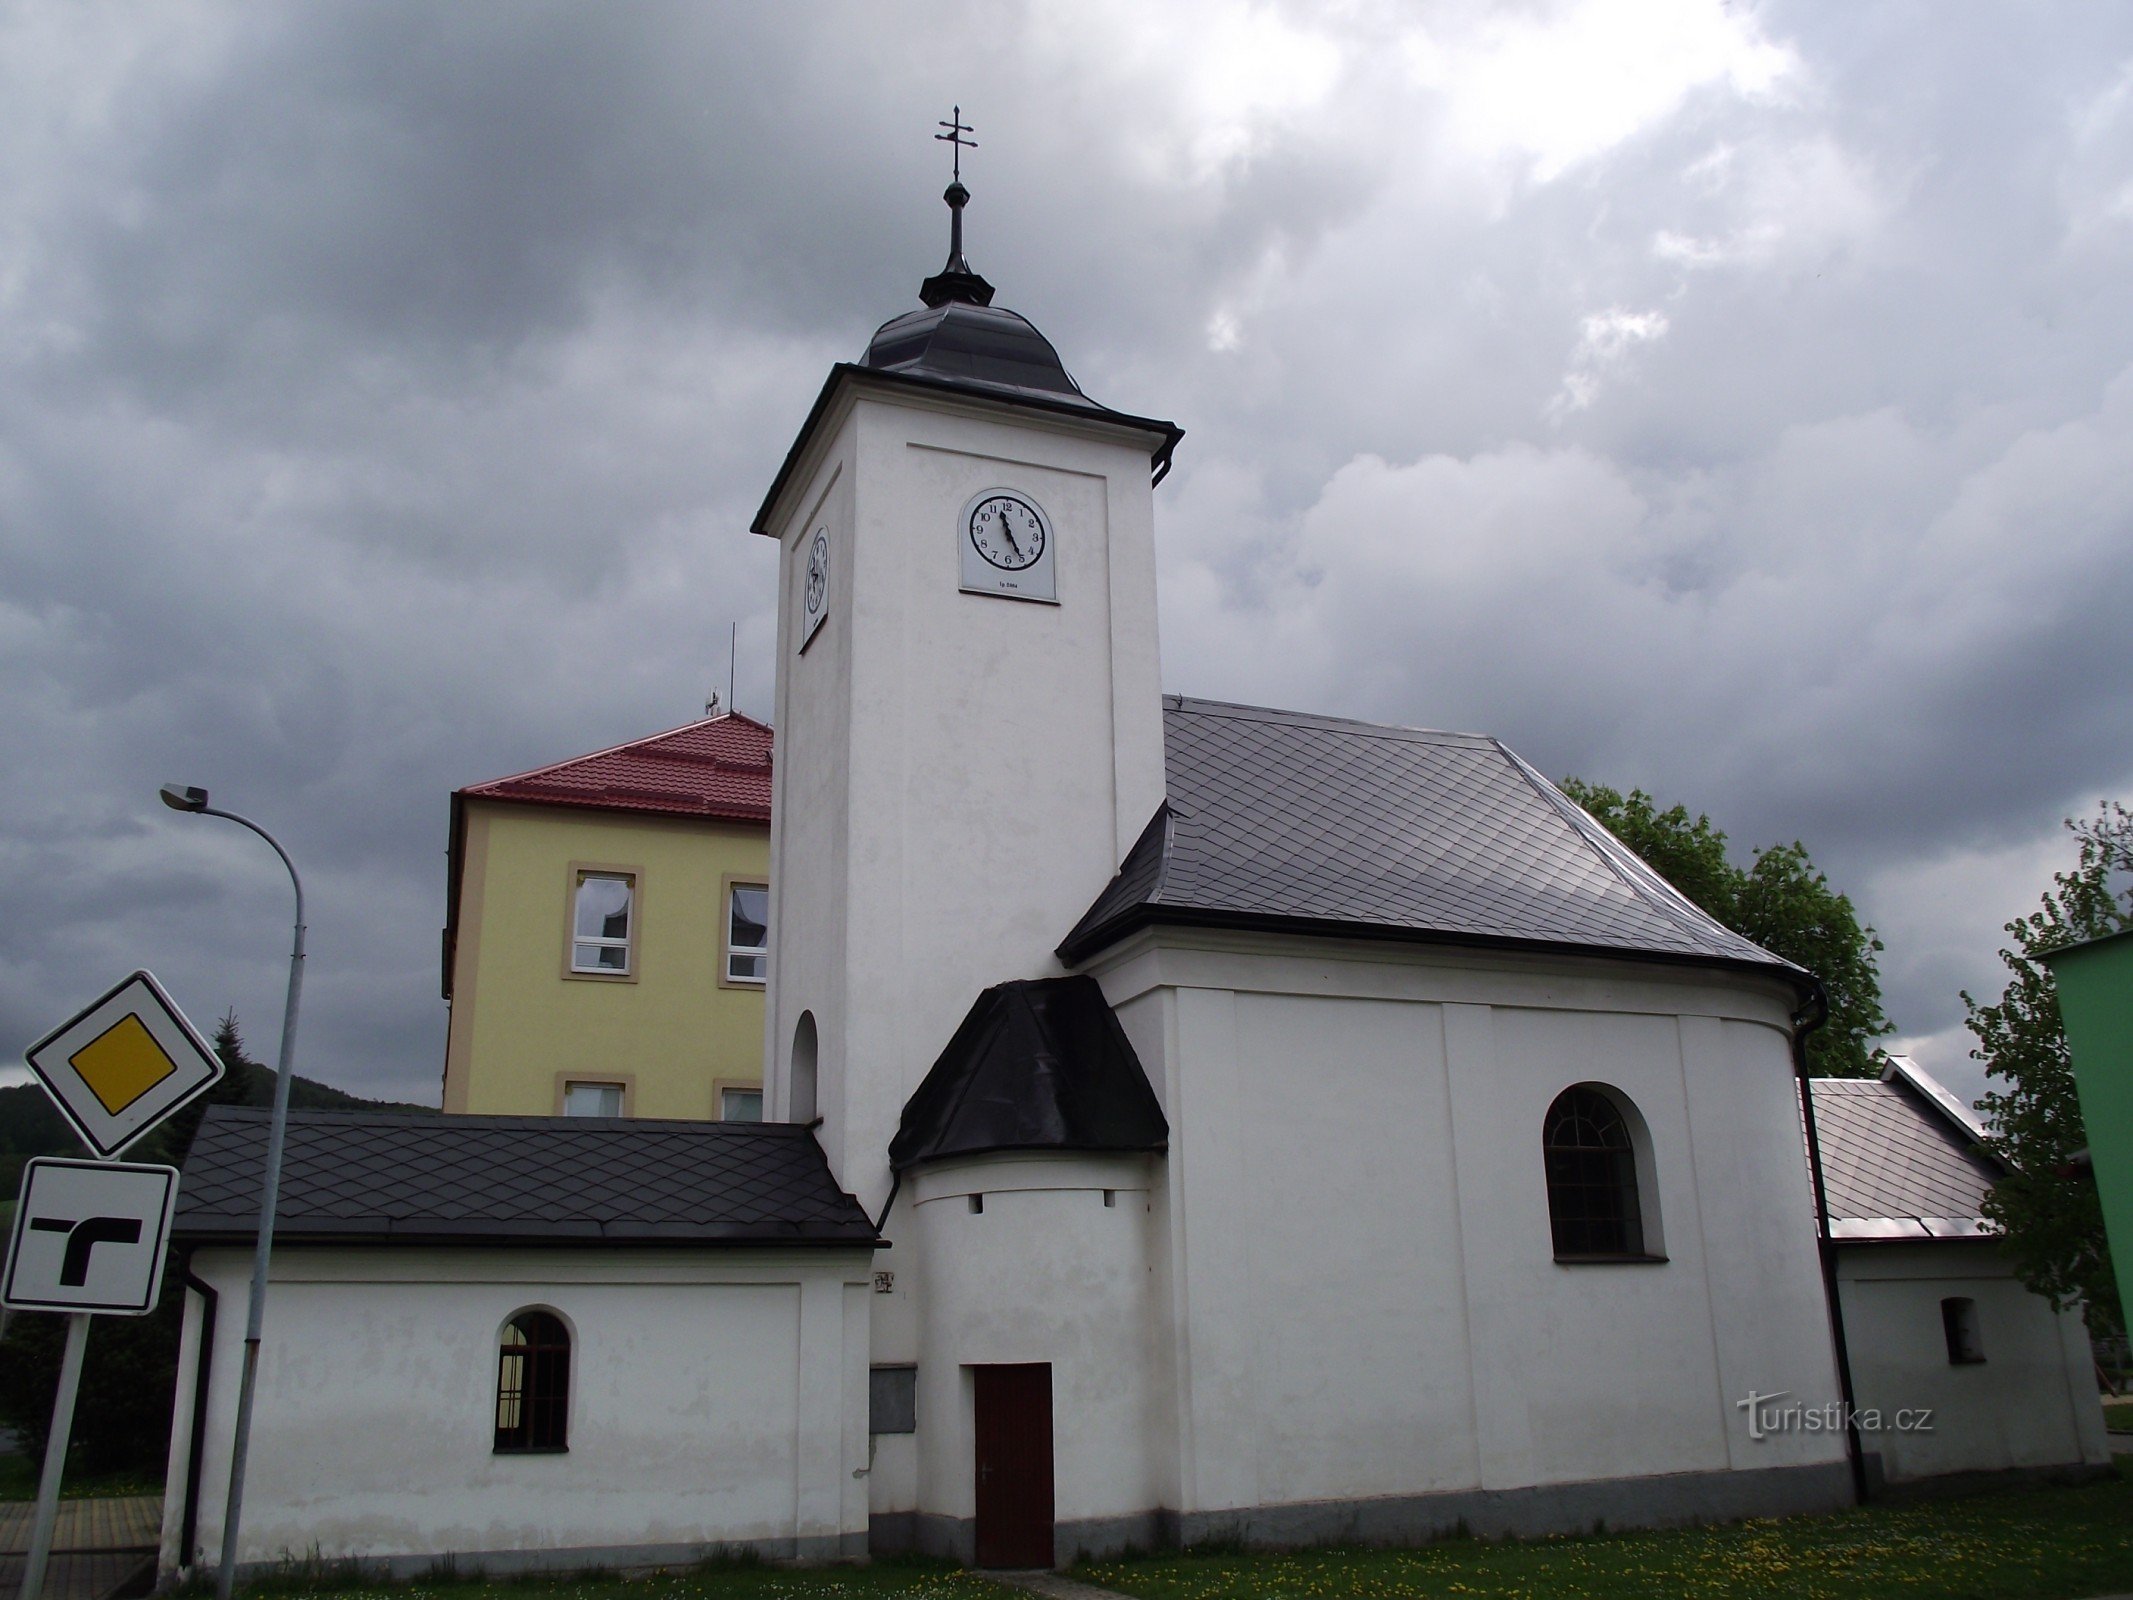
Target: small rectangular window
{"type": "Point", "coordinates": [747, 933]}
{"type": "Point", "coordinates": [740, 1105]}
{"type": "Point", "coordinates": [1958, 1321]}
{"type": "Point", "coordinates": [892, 1400]}
{"type": "Point", "coordinates": [600, 920]}
{"type": "Point", "coordinates": [592, 1100]}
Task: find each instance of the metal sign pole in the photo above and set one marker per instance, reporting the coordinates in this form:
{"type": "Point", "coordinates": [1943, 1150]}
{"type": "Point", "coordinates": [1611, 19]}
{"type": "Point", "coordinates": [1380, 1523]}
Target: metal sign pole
{"type": "Point", "coordinates": [55, 1455]}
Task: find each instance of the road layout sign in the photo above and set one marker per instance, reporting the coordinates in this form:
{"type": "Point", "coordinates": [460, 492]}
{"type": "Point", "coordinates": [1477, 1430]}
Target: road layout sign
{"type": "Point", "coordinates": [123, 1064]}
{"type": "Point", "coordinates": [89, 1236]}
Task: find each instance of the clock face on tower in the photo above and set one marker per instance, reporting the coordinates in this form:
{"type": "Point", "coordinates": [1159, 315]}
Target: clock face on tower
{"type": "Point", "coordinates": [1006, 546]}
{"type": "Point", "coordinates": [814, 595]}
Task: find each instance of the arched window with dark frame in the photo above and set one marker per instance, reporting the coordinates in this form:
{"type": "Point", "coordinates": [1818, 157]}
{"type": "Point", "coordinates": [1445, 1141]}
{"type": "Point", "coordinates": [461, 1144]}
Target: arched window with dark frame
{"type": "Point", "coordinates": [1591, 1164]}
{"type": "Point", "coordinates": [533, 1383]}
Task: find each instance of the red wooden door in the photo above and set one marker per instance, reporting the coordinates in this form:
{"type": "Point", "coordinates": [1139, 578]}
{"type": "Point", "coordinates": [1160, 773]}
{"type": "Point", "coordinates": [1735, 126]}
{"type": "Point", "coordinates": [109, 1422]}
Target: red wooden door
{"type": "Point", "coordinates": [1014, 1438]}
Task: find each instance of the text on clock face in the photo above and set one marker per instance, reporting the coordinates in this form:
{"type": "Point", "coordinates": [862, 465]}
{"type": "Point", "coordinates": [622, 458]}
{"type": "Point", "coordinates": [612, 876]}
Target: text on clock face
{"type": "Point", "coordinates": [1007, 532]}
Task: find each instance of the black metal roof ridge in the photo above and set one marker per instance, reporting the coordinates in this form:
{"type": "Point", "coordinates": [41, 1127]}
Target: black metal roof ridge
{"type": "Point", "coordinates": [1084, 944]}
{"type": "Point", "coordinates": [1241, 712]}
{"type": "Point", "coordinates": [1079, 406]}
{"type": "Point", "coordinates": [1636, 873]}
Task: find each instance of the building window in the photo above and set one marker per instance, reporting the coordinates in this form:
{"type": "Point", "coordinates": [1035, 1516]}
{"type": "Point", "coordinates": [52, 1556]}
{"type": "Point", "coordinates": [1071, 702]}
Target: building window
{"type": "Point", "coordinates": [602, 911]}
{"type": "Point", "coordinates": [1958, 1322]}
{"type": "Point", "coordinates": [1591, 1164]}
{"type": "Point", "coordinates": [533, 1383]}
{"type": "Point", "coordinates": [741, 1104]}
{"type": "Point", "coordinates": [892, 1400]}
{"type": "Point", "coordinates": [747, 933]}
{"type": "Point", "coordinates": [583, 1099]}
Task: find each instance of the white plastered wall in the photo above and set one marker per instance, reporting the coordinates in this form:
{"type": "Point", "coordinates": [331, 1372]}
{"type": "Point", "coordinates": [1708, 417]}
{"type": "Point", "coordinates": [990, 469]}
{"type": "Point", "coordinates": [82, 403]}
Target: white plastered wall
{"type": "Point", "coordinates": [715, 1398]}
{"type": "Point", "coordinates": [1361, 1294]}
{"type": "Point", "coordinates": [1055, 1267]}
{"type": "Point", "coordinates": [957, 776]}
{"type": "Point", "coordinates": [2031, 1403]}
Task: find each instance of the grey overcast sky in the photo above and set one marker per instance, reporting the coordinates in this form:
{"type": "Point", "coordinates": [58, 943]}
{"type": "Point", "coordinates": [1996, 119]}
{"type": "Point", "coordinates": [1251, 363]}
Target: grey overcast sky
{"type": "Point", "coordinates": [1732, 400]}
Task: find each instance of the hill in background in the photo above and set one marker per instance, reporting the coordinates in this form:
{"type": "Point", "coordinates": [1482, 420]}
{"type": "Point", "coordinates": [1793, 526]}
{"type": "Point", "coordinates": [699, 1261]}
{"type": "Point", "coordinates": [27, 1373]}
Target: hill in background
{"type": "Point", "coordinates": [129, 1357]}
{"type": "Point", "coordinates": [30, 1125]}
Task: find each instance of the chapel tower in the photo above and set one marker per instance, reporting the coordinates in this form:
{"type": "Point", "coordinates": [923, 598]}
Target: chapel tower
{"type": "Point", "coordinates": [969, 714]}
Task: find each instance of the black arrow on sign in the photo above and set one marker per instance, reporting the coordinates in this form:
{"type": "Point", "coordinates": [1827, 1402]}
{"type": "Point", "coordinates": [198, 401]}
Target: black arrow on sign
{"type": "Point", "coordinates": [84, 1236]}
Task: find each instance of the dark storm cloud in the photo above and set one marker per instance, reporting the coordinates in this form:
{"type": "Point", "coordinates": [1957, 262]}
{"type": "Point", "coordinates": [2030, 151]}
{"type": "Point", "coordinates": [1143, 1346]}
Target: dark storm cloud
{"type": "Point", "coordinates": [1731, 401]}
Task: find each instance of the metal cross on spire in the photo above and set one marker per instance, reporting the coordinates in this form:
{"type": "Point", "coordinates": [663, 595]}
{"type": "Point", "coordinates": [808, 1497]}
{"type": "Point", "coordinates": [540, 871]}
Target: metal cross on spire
{"type": "Point", "coordinates": [957, 127]}
{"type": "Point", "coordinates": [956, 281]}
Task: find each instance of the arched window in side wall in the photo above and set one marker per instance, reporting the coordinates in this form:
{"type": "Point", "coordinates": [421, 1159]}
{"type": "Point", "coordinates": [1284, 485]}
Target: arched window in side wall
{"type": "Point", "coordinates": [800, 1079]}
{"type": "Point", "coordinates": [1591, 1163]}
{"type": "Point", "coordinates": [533, 1383]}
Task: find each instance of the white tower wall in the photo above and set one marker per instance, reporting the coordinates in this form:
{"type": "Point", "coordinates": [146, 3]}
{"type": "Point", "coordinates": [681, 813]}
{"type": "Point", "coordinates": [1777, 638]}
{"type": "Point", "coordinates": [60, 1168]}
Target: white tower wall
{"type": "Point", "coordinates": [957, 775]}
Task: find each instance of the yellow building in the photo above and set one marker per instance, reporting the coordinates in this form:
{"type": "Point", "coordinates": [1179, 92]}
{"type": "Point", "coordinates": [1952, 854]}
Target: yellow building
{"type": "Point", "coordinates": [605, 941]}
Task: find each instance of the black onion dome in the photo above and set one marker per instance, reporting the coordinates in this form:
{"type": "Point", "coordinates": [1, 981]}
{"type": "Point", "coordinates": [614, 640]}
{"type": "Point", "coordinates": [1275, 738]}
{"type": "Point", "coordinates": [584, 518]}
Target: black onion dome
{"type": "Point", "coordinates": [961, 342]}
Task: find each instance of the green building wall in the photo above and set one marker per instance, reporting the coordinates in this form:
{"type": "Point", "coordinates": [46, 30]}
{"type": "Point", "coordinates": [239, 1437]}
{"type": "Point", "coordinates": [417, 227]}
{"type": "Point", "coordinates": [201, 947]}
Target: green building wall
{"type": "Point", "coordinates": [2095, 982]}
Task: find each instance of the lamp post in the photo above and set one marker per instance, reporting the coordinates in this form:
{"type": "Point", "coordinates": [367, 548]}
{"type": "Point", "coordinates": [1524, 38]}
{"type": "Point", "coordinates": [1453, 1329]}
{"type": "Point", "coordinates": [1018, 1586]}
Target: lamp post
{"type": "Point", "coordinates": [179, 797]}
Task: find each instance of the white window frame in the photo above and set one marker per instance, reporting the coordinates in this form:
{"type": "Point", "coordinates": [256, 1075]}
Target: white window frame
{"type": "Point", "coordinates": [626, 1082]}
{"type": "Point", "coordinates": [727, 949]}
{"type": "Point", "coordinates": [581, 872]}
{"type": "Point", "coordinates": [724, 1088]}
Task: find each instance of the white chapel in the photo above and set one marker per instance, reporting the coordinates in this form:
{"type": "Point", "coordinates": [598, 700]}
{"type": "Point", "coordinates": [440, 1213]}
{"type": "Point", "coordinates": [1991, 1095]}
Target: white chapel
{"type": "Point", "coordinates": [1281, 1127]}
{"type": "Point", "coordinates": [1184, 1120]}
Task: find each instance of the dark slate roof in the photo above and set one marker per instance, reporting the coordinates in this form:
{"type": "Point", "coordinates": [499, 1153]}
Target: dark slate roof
{"type": "Point", "coordinates": [1279, 820]}
{"type": "Point", "coordinates": [1037, 1065]}
{"type": "Point", "coordinates": [405, 1177]}
{"type": "Point", "coordinates": [1896, 1165]}
{"type": "Point", "coordinates": [963, 343]}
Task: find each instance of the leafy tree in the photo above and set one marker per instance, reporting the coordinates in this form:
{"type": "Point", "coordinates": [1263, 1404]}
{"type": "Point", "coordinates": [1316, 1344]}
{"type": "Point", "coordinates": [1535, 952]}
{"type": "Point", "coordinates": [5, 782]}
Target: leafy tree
{"type": "Point", "coordinates": [115, 1429]}
{"type": "Point", "coordinates": [2047, 1207]}
{"type": "Point", "coordinates": [1780, 901]}
{"type": "Point", "coordinates": [122, 1412]}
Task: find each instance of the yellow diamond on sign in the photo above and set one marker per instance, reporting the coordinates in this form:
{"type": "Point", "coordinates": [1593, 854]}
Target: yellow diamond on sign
{"type": "Point", "coordinates": [122, 1063]}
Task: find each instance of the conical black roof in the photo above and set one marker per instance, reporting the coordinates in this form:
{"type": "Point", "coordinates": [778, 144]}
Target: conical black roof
{"type": "Point", "coordinates": [1037, 1065]}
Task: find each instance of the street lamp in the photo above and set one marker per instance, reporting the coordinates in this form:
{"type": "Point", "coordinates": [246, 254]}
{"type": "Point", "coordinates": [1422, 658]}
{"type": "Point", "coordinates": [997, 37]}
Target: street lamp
{"type": "Point", "coordinates": [181, 797]}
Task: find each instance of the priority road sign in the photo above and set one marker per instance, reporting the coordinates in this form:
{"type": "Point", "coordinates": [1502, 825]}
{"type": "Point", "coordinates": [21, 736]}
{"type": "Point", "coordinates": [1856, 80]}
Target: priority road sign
{"type": "Point", "coordinates": [89, 1236]}
{"type": "Point", "coordinates": [123, 1064]}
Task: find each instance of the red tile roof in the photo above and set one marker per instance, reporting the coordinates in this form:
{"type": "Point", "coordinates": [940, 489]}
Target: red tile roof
{"type": "Point", "coordinates": [719, 767]}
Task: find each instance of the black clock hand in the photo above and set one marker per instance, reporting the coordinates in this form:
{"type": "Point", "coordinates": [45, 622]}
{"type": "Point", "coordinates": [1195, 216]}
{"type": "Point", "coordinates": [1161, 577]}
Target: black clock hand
{"type": "Point", "coordinates": [1011, 542]}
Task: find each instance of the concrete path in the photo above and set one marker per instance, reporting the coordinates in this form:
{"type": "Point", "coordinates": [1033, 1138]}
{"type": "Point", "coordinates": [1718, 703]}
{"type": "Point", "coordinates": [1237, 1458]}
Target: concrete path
{"type": "Point", "coordinates": [97, 1545]}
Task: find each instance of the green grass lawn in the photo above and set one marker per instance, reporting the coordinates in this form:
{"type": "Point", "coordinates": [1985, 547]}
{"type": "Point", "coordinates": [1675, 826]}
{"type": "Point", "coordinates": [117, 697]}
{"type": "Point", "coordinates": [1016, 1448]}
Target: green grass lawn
{"type": "Point", "coordinates": [2033, 1544]}
{"type": "Point", "coordinates": [2118, 1414]}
